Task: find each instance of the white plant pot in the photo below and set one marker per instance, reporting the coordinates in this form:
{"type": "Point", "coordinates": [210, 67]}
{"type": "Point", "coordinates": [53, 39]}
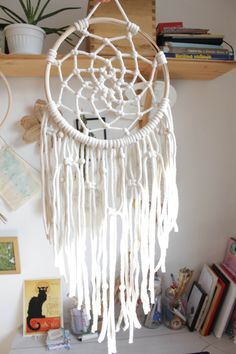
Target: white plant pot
{"type": "Point", "coordinates": [24, 39]}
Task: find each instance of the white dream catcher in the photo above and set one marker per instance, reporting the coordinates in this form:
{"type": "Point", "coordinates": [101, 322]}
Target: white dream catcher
{"type": "Point", "coordinates": [109, 205]}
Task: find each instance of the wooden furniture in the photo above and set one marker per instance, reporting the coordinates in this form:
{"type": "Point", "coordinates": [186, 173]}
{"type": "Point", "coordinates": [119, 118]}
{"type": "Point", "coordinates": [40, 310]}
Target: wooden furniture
{"type": "Point", "coordinates": [144, 16]}
{"type": "Point", "coordinates": [181, 69]}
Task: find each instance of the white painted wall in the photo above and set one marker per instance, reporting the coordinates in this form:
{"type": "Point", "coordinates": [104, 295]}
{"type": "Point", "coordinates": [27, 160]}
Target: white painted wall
{"type": "Point", "coordinates": [205, 124]}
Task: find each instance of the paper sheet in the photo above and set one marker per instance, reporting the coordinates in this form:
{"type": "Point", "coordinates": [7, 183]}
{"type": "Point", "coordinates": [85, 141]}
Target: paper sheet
{"type": "Point", "coordinates": [19, 182]}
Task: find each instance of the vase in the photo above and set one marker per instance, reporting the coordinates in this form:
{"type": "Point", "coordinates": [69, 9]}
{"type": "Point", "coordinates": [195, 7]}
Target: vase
{"type": "Point", "coordinates": [24, 39]}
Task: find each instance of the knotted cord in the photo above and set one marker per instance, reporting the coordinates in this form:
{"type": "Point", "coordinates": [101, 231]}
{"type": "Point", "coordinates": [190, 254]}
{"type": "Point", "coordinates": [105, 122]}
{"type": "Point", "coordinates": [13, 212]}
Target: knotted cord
{"type": "Point", "coordinates": [109, 205]}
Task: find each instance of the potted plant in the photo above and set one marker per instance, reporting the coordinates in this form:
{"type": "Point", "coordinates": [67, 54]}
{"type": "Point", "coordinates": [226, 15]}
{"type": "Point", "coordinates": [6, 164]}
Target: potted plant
{"type": "Point", "coordinates": [23, 34]}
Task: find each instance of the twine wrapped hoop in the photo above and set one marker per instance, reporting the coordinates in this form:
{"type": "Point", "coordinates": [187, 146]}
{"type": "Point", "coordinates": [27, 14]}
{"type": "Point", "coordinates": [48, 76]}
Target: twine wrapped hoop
{"type": "Point", "coordinates": [90, 141]}
{"type": "Point", "coordinates": [9, 96]}
{"type": "Point", "coordinates": [109, 205]}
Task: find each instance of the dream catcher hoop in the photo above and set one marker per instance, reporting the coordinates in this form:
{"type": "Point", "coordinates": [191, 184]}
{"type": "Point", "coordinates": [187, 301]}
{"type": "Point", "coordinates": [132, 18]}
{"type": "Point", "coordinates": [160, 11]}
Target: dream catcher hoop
{"type": "Point", "coordinates": [109, 205]}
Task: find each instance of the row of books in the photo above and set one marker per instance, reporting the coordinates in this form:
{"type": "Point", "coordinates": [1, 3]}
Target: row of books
{"type": "Point", "coordinates": [178, 41]}
{"type": "Point", "coordinates": [212, 299]}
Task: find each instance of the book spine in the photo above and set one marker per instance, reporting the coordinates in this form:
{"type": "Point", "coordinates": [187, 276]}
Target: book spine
{"type": "Point", "coordinates": [184, 30]}
{"type": "Point", "coordinates": [162, 25]}
{"type": "Point", "coordinates": [195, 51]}
{"type": "Point", "coordinates": [192, 45]}
{"type": "Point", "coordinates": [191, 39]}
{"type": "Point", "coordinates": [200, 56]}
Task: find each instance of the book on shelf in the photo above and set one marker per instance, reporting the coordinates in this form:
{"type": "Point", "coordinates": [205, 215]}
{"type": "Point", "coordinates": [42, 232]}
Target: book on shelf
{"type": "Point", "coordinates": [178, 27]}
{"type": "Point", "coordinates": [184, 30]}
{"type": "Point", "coordinates": [196, 51]}
{"type": "Point", "coordinates": [192, 45]}
{"type": "Point", "coordinates": [230, 256]}
{"type": "Point", "coordinates": [217, 301]}
{"type": "Point", "coordinates": [164, 25]}
{"type": "Point", "coordinates": [216, 39]}
{"type": "Point", "coordinates": [207, 280]}
{"type": "Point", "coordinates": [227, 306]}
{"type": "Point", "coordinates": [200, 56]}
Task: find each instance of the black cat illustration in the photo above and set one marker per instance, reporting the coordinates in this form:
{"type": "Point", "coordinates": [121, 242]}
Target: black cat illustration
{"type": "Point", "coordinates": [35, 307]}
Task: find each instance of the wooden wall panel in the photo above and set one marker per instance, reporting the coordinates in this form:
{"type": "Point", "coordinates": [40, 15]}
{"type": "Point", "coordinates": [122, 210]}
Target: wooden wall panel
{"type": "Point", "coordinates": [138, 11]}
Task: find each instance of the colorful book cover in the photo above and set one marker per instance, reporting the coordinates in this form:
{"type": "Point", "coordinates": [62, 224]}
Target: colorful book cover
{"type": "Point", "coordinates": [42, 306]}
{"type": "Point", "coordinates": [163, 25]}
{"type": "Point", "coordinates": [200, 56]}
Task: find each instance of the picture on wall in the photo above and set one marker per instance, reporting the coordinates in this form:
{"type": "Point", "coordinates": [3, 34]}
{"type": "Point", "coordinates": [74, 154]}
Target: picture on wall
{"type": "Point", "coordinates": [93, 123]}
{"type": "Point", "coordinates": [42, 306]}
{"type": "Point", "coordinates": [9, 255]}
{"type": "Point", "coordinates": [194, 304]}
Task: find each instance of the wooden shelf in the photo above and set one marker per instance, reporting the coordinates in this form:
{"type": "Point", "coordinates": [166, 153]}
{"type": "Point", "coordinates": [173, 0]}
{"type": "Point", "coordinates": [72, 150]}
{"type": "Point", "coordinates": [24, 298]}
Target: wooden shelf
{"type": "Point", "coordinates": [181, 69]}
{"type": "Point", "coordinates": [189, 69]}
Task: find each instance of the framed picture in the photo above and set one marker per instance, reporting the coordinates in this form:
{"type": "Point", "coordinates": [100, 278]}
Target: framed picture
{"type": "Point", "coordinates": [9, 255]}
{"type": "Point", "coordinates": [93, 123]}
{"type": "Point", "coordinates": [194, 304]}
{"type": "Point", "coordinates": [42, 306]}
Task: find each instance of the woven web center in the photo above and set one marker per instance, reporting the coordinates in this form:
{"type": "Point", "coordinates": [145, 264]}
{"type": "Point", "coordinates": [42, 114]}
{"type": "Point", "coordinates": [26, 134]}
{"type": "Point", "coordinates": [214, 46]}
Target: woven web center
{"type": "Point", "coordinates": [109, 91]}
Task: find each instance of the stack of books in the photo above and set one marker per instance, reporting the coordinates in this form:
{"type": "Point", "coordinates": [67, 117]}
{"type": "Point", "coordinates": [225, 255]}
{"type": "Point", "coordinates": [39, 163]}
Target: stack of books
{"type": "Point", "coordinates": [182, 42]}
{"type": "Point", "coordinates": [228, 310]}
{"type": "Point", "coordinates": [215, 296]}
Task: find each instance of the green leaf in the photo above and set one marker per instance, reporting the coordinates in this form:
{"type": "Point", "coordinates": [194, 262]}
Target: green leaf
{"type": "Point", "coordinates": [23, 7]}
{"type": "Point", "coordinates": [31, 12]}
{"type": "Point", "coordinates": [57, 12]}
{"type": "Point", "coordinates": [42, 11]}
{"type": "Point", "coordinates": [50, 30]}
{"type": "Point", "coordinates": [59, 32]}
{"type": "Point", "coordinates": [37, 7]}
{"type": "Point", "coordinates": [11, 14]}
{"type": "Point", "coordinates": [26, 10]}
{"type": "Point", "coordinates": [28, 4]}
{"type": "Point", "coordinates": [4, 19]}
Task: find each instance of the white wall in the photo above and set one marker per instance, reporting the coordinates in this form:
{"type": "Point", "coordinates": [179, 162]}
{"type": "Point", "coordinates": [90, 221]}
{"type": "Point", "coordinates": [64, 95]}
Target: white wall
{"type": "Point", "coordinates": [205, 123]}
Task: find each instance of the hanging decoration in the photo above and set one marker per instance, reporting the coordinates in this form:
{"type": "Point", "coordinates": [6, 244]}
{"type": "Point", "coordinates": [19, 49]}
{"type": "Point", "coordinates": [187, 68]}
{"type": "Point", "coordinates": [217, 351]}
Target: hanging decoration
{"type": "Point", "coordinates": [32, 122]}
{"type": "Point", "coordinates": [109, 205]}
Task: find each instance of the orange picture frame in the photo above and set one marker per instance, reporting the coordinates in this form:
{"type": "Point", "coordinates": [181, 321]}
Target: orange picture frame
{"type": "Point", "coordinates": [42, 306]}
{"type": "Point", "coordinates": [9, 255]}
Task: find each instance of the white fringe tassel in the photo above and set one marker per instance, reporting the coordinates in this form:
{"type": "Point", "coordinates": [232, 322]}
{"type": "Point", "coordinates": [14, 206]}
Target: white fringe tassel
{"type": "Point", "coordinates": [91, 194]}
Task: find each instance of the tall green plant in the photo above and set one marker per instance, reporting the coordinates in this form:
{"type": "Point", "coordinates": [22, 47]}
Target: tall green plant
{"type": "Point", "coordinates": [34, 12]}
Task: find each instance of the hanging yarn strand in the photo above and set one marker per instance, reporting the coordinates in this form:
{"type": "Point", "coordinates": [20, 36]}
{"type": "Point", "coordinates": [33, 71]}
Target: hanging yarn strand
{"type": "Point", "coordinates": [109, 205]}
